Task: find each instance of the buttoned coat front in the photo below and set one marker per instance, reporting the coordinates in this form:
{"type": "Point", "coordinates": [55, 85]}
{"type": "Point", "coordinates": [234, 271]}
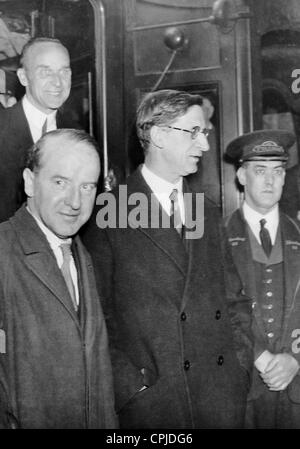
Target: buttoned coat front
{"type": "Point", "coordinates": [238, 240]}
{"type": "Point", "coordinates": [168, 323]}
{"type": "Point", "coordinates": [55, 370]}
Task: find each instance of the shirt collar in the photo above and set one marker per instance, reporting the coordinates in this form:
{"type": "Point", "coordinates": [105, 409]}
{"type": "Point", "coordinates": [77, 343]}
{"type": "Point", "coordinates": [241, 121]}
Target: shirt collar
{"type": "Point", "coordinates": [159, 185]}
{"type": "Point", "coordinates": [34, 115]}
{"type": "Point", "coordinates": [253, 218]}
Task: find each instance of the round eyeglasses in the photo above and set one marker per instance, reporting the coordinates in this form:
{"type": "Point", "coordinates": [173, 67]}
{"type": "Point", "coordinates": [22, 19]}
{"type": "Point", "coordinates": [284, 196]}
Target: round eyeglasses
{"type": "Point", "coordinates": [195, 131]}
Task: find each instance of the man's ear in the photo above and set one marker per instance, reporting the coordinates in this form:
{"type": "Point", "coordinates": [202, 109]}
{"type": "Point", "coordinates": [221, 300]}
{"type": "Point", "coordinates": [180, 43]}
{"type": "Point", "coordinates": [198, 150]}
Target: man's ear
{"type": "Point", "coordinates": [241, 175]}
{"type": "Point", "coordinates": [156, 136]}
{"type": "Point", "coordinates": [28, 177]}
{"type": "Point", "coordinates": [284, 173]}
{"type": "Point", "coordinates": [22, 77]}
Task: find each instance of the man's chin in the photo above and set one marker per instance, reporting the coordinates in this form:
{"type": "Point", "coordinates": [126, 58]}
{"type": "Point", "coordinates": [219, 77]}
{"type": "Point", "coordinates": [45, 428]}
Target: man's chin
{"type": "Point", "coordinates": [66, 232]}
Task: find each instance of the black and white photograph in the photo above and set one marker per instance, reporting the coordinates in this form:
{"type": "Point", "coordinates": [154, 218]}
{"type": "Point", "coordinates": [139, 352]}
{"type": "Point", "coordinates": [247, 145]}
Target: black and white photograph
{"type": "Point", "coordinates": [150, 218]}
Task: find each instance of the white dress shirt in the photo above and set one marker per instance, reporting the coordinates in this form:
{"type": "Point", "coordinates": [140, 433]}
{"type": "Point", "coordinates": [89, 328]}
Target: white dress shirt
{"type": "Point", "coordinates": [55, 243]}
{"type": "Point", "coordinates": [162, 189]}
{"type": "Point", "coordinates": [253, 219]}
{"type": "Point", "coordinates": [36, 119]}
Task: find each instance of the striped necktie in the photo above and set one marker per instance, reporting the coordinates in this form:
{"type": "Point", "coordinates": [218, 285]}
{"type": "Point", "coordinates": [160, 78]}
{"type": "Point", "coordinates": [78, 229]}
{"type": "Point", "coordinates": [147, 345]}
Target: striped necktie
{"type": "Point", "coordinates": [65, 269]}
{"type": "Point", "coordinates": [175, 217]}
{"type": "Point", "coordinates": [44, 127]}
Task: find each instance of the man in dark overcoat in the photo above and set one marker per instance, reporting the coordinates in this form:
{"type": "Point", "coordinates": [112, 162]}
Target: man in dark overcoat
{"type": "Point", "coordinates": [46, 75]}
{"type": "Point", "coordinates": [290, 199]}
{"type": "Point", "coordinates": [177, 361]}
{"type": "Point", "coordinates": [55, 369]}
{"type": "Point", "coordinates": [265, 246]}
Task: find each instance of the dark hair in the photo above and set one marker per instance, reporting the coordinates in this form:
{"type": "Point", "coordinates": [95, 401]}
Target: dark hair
{"type": "Point", "coordinates": [160, 108]}
{"type": "Point", "coordinates": [73, 135]}
{"type": "Point", "coordinates": [34, 41]}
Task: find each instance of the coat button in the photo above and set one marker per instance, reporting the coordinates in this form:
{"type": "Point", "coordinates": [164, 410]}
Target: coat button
{"type": "Point", "coordinates": [183, 316]}
{"type": "Point", "coordinates": [187, 365]}
{"type": "Point", "coordinates": [268, 281]}
{"type": "Point", "coordinates": [218, 315]}
{"type": "Point", "coordinates": [220, 360]}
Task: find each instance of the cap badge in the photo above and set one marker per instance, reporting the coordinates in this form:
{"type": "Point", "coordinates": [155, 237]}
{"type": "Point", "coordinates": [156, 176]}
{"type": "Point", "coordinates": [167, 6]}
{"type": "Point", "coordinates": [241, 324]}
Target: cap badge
{"type": "Point", "coordinates": [267, 146]}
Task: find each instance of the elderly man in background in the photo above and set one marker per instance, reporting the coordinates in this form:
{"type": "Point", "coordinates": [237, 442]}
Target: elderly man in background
{"type": "Point", "coordinates": [46, 75]}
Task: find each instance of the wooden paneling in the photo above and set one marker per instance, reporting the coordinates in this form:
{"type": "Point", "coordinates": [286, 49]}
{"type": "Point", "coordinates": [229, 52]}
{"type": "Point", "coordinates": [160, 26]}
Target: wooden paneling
{"type": "Point", "coordinates": [213, 55]}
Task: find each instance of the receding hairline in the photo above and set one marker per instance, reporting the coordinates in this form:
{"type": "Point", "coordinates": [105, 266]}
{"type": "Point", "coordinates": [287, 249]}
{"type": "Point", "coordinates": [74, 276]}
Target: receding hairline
{"type": "Point", "coordinates": [69, 142]}
{"type": "Point", "coordinates": [30, 50]}
{"type": "Point", "coordinates": [61, 138]}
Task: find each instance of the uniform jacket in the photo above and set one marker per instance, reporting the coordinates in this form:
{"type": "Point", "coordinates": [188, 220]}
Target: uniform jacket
{"type": "Point", "coordinates": [237, 237]}
{"type": "Point", "coordinates": [169, 327]}
{"type": "Point", "coordinates": [15, 140]}
{"type": "Point", "coordinates": [55, 370]}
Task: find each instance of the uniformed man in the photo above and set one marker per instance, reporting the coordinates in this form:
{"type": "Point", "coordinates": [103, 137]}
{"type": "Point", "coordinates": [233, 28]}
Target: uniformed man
{"type": "Point", "coordinates": [265, 245]}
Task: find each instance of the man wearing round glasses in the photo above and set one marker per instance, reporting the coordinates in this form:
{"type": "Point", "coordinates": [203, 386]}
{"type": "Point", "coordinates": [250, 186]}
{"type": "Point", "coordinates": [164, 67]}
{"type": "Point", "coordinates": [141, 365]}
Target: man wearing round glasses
{"type": "Point", "coordinates": [176, 140]}
{"type": "Point", "coordinates": [172, 346]}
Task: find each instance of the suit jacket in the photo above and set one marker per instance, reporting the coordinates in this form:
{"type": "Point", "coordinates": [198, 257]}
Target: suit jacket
{"type": "Point", "coordinates": [15, 140]}
{"type": "Point", "coordinates": [168, 324]}
{"type": "Point", "coordinates": [237, 237]}
{"type": "Point", "coordinates": [55, 370]}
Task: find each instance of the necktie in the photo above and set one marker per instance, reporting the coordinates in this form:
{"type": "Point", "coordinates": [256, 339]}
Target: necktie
{"type": "Point", "coordinates": [175, 212]}
{"type": "Point", "coordinates": [65, 269]}
{"type": "Point", "coordinates": [265, 238]}
{"type": "Point", "coordinates": [44, 127]}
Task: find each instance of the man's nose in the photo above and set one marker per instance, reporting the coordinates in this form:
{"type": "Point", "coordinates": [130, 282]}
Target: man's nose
{"type": "Point", "coordinates": [73, 198]}
{"type": "Point", "coordinates": [269, 178]}
{"type": "Point", "coordinates": [56, 79]}
{"type": "Point", "coordinates": [202, 142]}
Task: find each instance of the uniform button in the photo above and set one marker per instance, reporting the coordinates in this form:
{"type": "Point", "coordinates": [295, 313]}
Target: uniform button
{"type": "Point", "coordinates": [220, 360]}
{"type": "Point", "coordinates": [270, 334]}
{"type": "Point", "coordinates": [183, 316]}
{"type": "Point", "coordinates": [269, 294]}
{"type": "Point", "coordinates": [218, 315]}
{"type": "Point", "coordinates": [253, 304]}
{"type": "Point", "coordinates": [269, 270]}
{"type": "Point", "coordinates": [270, 320]}
{"type": "Point", "coordinates": [268, 306]}
{"type": "Point", "coordinates": [187, 365]}
{"type": "Point", "coordinates": [268, 281]}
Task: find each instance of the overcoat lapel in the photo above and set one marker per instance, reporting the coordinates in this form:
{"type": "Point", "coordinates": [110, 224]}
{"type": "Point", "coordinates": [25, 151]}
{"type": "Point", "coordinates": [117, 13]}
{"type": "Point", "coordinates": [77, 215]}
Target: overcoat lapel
{"type": "Point", "coordinates": [19, 127]}
{"type": "Point", "coordinates": [85, 272]}
{"type": "Point", "coordinates": [39, 258]}
{"type": "Point", "coordinates": [167, 240]}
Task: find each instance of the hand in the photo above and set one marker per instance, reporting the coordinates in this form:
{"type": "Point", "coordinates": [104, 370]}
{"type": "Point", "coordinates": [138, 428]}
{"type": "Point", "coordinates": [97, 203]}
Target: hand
{"type": "Point", "coordinates": [280, 371]}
